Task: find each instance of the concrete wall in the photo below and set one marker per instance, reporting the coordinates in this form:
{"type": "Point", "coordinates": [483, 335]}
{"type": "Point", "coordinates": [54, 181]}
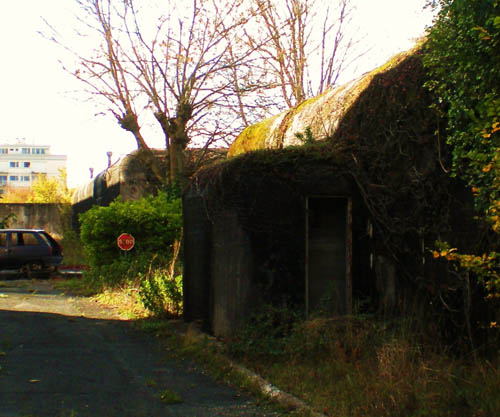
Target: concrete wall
{"type": "Point", "coordinates": [234, 295]}
{"type": "Point", "coordinates": [34, 216]}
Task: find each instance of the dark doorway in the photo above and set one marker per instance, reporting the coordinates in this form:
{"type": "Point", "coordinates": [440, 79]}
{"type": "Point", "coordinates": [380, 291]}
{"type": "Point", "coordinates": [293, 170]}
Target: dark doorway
{"type": "Point", "coordinates": [328, 255]}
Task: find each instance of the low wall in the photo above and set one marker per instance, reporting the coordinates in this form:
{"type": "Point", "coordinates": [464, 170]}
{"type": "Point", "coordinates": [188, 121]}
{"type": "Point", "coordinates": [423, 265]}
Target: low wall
{"type": "Point", "coordinates": [34, 216]}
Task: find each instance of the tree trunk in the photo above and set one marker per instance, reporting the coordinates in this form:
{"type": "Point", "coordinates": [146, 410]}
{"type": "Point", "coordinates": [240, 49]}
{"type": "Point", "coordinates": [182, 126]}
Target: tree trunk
{"type": "Point", "coordinates": [177, 139]}
{"type": "Point", "coordinates": [130, 124]}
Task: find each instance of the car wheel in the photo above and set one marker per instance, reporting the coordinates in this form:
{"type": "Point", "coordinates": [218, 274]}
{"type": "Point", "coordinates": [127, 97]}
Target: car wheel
{"type": "Point", "coordinates": [34, 270]}
{"type": "Point", "coordinates": [24, 272]}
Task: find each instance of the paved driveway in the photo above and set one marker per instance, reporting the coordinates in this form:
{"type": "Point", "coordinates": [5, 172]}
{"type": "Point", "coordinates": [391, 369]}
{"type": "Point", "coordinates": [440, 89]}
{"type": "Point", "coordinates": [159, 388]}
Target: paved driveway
{"type": "Point", "coordinates": [64, 357]}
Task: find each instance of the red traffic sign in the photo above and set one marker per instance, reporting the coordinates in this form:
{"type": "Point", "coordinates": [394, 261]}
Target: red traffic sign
{"type": "Point", "coordinates": [125, 241]}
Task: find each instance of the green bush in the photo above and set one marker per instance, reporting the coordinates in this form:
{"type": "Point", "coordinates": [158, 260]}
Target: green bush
{"type": "Point", "coordinates": [155, 222]}
{"type": "Point", "coordinates": [122, 270]}
{"type": "Point", "coordinates": [160, 292]}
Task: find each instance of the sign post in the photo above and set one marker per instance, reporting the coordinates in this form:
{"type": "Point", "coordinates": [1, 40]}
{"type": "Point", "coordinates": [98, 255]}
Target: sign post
{"type": "Point", "coordinates": [125, 241]}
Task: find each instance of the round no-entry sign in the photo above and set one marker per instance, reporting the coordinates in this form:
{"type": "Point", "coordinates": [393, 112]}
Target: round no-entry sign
{"type": "Point", "coordinates": [125, 241]}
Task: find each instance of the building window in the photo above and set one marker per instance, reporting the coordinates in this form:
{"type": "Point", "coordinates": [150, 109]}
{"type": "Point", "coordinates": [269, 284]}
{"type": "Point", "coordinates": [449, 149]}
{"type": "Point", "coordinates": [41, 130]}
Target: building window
{"type": "Point", "coordinates": [26, 164]}
{"type": "Point", "coordinates": [25, 178]}
{"type": "Point", "coordinates": [13, 178]}
{"type": "Point", "coordinates": [14, 164]}
{"type": "Point", "coordinates": [26, 150]}
{"type": "Point", "coordinates": [4, 150]}
{"type": "Point", "coordinates": [3, 179]}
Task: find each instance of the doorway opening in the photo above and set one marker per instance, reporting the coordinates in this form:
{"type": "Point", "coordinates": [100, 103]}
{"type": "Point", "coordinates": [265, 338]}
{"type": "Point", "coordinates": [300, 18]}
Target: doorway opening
{"type": "Point", "coordinates": [328, 263]}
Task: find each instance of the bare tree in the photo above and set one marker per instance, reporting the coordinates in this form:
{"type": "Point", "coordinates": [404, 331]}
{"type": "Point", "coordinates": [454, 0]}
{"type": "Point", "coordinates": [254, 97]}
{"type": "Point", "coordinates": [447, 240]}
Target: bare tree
{"type": "Point", "coordinates": [180, 68]}
{"type": "Point", "coordinates": [306, 43]}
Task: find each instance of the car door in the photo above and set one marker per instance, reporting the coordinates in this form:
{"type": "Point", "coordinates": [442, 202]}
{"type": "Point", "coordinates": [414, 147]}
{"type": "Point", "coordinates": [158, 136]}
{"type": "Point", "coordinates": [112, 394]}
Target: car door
{"type": "Point", "coordinates": [5, 258]}
{"type": "Point", "coordinates": [27, 247]}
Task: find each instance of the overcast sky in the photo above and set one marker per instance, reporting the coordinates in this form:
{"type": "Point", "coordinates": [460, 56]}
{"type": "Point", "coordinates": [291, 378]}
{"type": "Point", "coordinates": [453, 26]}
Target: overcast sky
{"type": "Point", "coordinates": [38, 100]}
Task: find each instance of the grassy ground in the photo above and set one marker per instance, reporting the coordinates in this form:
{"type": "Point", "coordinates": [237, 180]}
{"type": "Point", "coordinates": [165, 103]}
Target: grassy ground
{"type": "Point", "coordinates": [361, 367]}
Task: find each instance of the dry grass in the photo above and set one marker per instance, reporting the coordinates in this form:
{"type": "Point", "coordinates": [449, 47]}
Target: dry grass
{"type": "Point", "coordinates": [362, 369]}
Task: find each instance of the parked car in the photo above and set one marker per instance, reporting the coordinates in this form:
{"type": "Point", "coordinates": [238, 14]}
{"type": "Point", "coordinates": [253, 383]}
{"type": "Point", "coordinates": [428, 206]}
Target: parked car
{"type": "Point", "coordinates": [29, 252]}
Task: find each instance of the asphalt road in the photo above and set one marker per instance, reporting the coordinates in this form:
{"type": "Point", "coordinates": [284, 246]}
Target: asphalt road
{"type": "Point", "coordinates": [63, 356]}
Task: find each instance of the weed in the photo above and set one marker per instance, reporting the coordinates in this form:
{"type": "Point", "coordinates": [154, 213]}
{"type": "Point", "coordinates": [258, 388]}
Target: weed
{"type": "Point", "coordinates": [266, 335]}
{"type": "Point", "coordinates": [170, 397]}
{"type": "Point", "coordinates": [160, 292]}
{"type": "Point", "coordinates": [359, 366]}
{"type": "Point", "coordinates": [150, 382]}
{"type": "Point", "coordinates": [5, 346]}
{"type": "Point", "coordinates": [125, 298]}
{"type": "Point", "coordinates": [78, 286]}
{"type": "Point", "coordinates": [74, 253]}
{"type": "Point", "coordinates": [153, 326]}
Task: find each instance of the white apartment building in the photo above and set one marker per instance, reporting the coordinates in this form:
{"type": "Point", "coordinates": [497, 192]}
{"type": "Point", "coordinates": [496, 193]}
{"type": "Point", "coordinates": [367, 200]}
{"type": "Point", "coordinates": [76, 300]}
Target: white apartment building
{"type": "Point", "coordinates": [21, 163]}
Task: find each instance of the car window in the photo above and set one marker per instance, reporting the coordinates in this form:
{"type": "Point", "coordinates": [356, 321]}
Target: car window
{"type": "Point", "coordinates": [3, 239]}
{"type": "Point", "coordinates": [30, 239]}
{"type": "Point", "coordinates": [16, 239]}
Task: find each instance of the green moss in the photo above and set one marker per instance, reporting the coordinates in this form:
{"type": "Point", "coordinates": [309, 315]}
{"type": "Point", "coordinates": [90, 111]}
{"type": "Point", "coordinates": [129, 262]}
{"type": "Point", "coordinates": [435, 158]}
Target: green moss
{"type": "Point", "coordinates": [321, 107]}
{"type": "Point", "coordinates": [252, 138]}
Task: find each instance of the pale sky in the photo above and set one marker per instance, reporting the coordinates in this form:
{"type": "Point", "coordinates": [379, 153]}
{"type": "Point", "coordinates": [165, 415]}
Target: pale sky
{"type": "Point", "coordinates": [38, 100]}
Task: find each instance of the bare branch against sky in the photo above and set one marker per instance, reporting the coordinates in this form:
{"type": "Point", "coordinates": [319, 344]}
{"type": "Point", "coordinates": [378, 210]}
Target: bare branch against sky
{"type": "Point", "coordinates": [65, 115]}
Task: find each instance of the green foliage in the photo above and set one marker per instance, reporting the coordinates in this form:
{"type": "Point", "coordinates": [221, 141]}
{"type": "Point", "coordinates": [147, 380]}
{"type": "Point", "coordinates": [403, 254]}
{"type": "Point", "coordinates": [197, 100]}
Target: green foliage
{"type": "Point", "coordinates": [155, 222]}
{"type": "Point", "coordinates": [160, 292]}
{"type": "Point", "coordinates": [4, 223]}
{"type": "Point", "coordinates": [266, 334]}
{"type": "Point", "coordinates": [74, 254]}
{"type": "Point", "coordinates": [124, 269]}
{"type": "Point", "coordinates": [44, 190]}
{"type": "Point", "coordinates": [50, 190]}
{"type": "Point", "coordinates": [307, 137]}
{"type": "Point", "coordinates": [462, 60]}
{"type": "Point", "coordinates": [170, 397]}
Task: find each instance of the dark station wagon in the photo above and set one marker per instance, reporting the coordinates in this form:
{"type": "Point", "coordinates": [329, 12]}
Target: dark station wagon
{"type": "Point", "coordinates": [28, 253]}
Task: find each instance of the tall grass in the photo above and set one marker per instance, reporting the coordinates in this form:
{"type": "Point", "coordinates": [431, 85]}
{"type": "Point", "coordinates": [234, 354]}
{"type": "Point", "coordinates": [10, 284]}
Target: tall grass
{"type": "Point", "coordinates": [359, 366]}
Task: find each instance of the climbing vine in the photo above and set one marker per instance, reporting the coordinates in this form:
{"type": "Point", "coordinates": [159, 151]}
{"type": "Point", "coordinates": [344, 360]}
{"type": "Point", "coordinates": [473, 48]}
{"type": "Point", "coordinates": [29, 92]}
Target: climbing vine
{"type": "Point", "coordinates": [462, 60]}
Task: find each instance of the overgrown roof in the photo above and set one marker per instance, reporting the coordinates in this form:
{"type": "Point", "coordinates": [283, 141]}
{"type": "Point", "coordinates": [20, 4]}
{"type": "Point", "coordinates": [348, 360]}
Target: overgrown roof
{"type": "Point", "coordinates": [320, 114]}
{"type": "Point", "coordinates": [379, 139]}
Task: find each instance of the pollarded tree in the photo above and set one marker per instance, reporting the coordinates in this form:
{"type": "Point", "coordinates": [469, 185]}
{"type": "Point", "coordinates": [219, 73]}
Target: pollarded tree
{"type": "Point", "coordinates": [174, 62]}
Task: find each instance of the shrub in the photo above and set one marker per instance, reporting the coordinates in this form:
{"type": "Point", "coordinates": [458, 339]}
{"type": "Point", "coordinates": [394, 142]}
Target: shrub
{"type": "Point", "coordinates": [155, 222]}
{"type": "Point", "coordinates": [160, 292]}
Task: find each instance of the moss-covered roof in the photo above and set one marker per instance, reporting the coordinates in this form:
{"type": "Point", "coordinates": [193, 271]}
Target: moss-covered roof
{"type": "Point", "coordinates": [321, 114]}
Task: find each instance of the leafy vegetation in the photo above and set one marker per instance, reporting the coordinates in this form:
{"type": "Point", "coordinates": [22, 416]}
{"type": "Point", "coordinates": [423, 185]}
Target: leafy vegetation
{"type": "Point", "coordinates": [153, 265]}
{"type": "Point", "coordinates": [155, 222]}
{"type": "Point", "coordinates": [4, 223]}
{"type": "Point", "coordinates": [170, 397]}
{"type": "Point", "coordinates": [361, 366]}
{"type": "Point", "coordinates": [160, 292]}
{"type": "Point", "coordinates": [462, 59]}
{"type": "Point", "coordinates": [44, 190]}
